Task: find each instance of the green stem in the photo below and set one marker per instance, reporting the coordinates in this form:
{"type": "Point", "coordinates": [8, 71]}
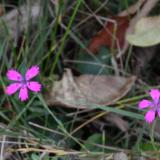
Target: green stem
{"type": "Point", "coordinates": [65, 36]}
{"type": "Point", "coordinates": [152, 135]}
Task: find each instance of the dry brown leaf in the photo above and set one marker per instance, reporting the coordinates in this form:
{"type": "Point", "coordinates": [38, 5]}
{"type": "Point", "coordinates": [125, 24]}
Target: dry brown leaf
{"type": "Point", "coordinates": [117, 120]}
{"type": "Point", "coordinates": [111, 119]}
{"type": "Point", "coordinates": [112, 35]}
{"type": "Point", "coordinates": [75, 91]}
{"type": "Point", "coordinates": [142, 56]}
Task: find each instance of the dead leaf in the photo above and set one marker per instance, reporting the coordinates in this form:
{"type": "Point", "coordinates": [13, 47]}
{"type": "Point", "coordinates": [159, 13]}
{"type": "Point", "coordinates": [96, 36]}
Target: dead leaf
{"type": "Point", "coordinates": [117, 121]}
{"type": "Point", "coordinates": [120, 156]}
{"type": "Point", "coordinates": [144, 11]}
{"type": "Point", "coordinates": [147, 31]}
{"type": "Point", "coordinates": [111, 119]}
{"type": "Point", "coordinates": [75, 91]}
{"type": "Point", "coordinates": [18, 19]}
{"type": "Point", "coordinates": [142, 57]}
{"type": "Point", "coordinates": [112, 35]}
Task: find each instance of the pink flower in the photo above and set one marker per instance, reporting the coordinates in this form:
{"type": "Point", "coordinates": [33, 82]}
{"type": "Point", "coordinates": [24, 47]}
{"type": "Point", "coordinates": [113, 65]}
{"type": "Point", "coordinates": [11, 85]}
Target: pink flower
{"type": "Point", "coordinates": [153, 105]}
{"type": "Point", "coordinates": [23, 83]}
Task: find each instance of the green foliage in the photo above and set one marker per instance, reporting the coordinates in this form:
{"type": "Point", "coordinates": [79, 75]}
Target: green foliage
{"type": "Point", "coordinates": [91, 64]}
{"type": "Point", "coordinates": [34, 156]}
{"type": "Point", "coordinates": [91, 141]}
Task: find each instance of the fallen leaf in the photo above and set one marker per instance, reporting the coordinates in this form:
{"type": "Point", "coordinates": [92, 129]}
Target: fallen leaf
{"type": "Point", "coordinates": [147, 31]}
{"type": "Point", "coordinates": [112, 35]}
{"type": "Point", "coordinates": [118, 121]}
{"type": "Point", "coordinates": [74, 91]}
{"type": "Point", "coordinates": [120, 156]}
{"type": "Point", "coordinates": [144, 11]}
{"type": "Point", "coordinates": [111, 119]}
{"type": "Point", "coordinates": [18, 19]}
{"type": "Point", "coordinates": [142, 57]}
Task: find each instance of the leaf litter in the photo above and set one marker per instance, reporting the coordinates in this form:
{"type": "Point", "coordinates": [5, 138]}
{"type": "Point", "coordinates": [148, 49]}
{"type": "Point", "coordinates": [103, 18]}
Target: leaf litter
{"type": "Point", "coordinates": [100, 89]}
{"type": "Point", "coordinates": [97, 89]}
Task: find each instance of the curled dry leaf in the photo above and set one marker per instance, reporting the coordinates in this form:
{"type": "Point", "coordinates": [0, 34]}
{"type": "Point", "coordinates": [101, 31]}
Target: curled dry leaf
{"type": "Point", "coordinates": [77, 92]}
{"type": "Point", "coordinates": [147, 31]}
{"type": "Point", "coordinates": [112, 35]}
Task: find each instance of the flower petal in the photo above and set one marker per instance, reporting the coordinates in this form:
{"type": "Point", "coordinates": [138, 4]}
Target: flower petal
{"type": "Point", "coordinates": [32, 72]}
{"type": "Point", "coordinates": [144, 104]}
{"type": "Point", "coordinates": [155, 94]}
{"type": "Point", "coordinates": [34, 86]}
{"type": "Point", "coordinates": [23, 94]}
{"type": "Point", "coordinates": [14, 75]}
{"type": "Point", "coordinates": [158, 111]}
{"type": "Point", "coordinates": [12, 88]}
{"type": "Point", "coordinates": [150, 116]}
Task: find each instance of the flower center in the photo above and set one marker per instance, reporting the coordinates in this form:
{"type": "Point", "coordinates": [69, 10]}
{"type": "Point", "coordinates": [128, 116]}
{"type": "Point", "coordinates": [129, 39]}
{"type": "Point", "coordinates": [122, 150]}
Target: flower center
{"type": "Point", "coordinates": [24, 82]}
{"type": "Point", "coordinates": [155, 105]}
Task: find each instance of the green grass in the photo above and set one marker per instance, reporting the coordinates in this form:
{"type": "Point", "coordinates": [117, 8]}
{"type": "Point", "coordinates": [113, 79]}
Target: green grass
{"type": "Point", "coordinates": [49, 131]}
